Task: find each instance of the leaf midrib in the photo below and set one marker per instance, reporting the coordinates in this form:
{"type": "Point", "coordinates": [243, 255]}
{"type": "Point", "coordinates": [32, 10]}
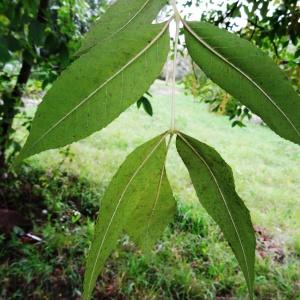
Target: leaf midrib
{"type": "Point", "coordinates": [223, 198]}
{"type": "Point", "coordinates": [214, 51]}
{"type": "Point", "coordinates": [117, 31]}
{"type": "Point", "coordinates": [119, 203]}
{"type": "Point", "coordinates": [130, 20]}
{"type": "Point", "coordinates": [149, 45]}
{"type": "Point", "coordinates": [159, 188]}
{"type": "Point", "coordinates": [155, 202]}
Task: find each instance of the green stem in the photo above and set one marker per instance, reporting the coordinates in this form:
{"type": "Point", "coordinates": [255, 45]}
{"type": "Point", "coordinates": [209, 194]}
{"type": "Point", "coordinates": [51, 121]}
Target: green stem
{"type": "Point", "coordinates": [173, 100]}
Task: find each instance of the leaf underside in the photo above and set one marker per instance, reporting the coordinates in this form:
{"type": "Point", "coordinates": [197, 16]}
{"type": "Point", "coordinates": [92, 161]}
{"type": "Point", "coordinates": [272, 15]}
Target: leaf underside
{"type": "Point", "coordinates": [214, 184]}
{"type": "Point", "coordinates": [248, 74]}
{"type": "Point", "coordinates": [118, 18]}
{"type": "Point", "coordinates": [97, 87]}
{"type": "Point", "coordinates": [130, 204]}
{"type": "Point", "coordinates": [152, 216]}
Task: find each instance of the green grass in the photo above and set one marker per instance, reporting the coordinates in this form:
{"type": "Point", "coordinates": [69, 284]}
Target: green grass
{"type": "Point", "coordinates": [266, 167]}
{"type": "Point", "coordinates": [192, 260]}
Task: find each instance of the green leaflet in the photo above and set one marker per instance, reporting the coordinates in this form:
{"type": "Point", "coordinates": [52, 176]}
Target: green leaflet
{"type": "Point", "coordinates": [214, 184]}
{"type": "Point", "coordinates": [97, 87]}
{"type": "Point", "coordinates": [137, 183]}
{"type": "Point", "coordinates": [248, 74]}
{"type": "Point", "coordinates": [152, 216]}
{"type": "Point", "coordinates": [118, 18]}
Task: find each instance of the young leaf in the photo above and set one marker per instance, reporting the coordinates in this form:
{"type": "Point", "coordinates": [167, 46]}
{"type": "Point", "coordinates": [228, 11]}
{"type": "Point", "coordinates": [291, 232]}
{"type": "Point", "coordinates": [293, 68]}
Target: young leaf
{"type": "Point", "coordinates": [151, 217]}
{"type": "Point", "coordinates": [247, 74]}
{"type": "Point", "coordinates": [137, 183]}
{"type": "Point", "coordinates": [119, 17]}
{"type": "Point", "coordinates": [97, 87]}
{"type": "Point", "coordinates": [214, 184]}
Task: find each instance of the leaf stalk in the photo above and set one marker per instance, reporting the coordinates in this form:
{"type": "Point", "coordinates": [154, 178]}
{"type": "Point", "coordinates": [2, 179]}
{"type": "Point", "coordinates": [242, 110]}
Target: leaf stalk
{"type": "Point", "coordinates": [173, 100]}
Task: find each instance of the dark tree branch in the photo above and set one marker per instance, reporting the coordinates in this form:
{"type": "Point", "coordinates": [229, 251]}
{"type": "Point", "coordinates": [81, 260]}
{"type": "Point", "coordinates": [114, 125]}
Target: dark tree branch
{"type": "Point", "coordinates": [261, 28]}
{"type": "Point", "coordinates": [228, 14]}
{"type": "Point", "coordinates": [255, 26]}
{"type": "Point", "coordinates": [12, 100]}
{"type": "Point", "coordinates": [275, 49]}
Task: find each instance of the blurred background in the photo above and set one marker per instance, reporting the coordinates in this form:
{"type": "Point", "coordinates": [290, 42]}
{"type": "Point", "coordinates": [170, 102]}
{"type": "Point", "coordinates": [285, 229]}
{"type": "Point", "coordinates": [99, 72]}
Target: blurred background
{"type": "Point", "coordinates": [48, 208]}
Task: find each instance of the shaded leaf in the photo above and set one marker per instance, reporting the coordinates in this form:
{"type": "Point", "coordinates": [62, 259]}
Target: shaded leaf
{"type": "Point", "coordinates": [214, 184]}
{"type": "Point", "coordinates": [146, 105]}
{"type": "Point", "coordinates": [237, 123]}
{"type": "Point", "coordinates": [97, 87]}
{"type": "Point", "coordinates": [247, 74]}
{"type": "Point", "coordinates": [4, 53]}
{"type": "Point", "coordinates": [36, 34]}
{"type": "Point", "coordinates": [136, 184]}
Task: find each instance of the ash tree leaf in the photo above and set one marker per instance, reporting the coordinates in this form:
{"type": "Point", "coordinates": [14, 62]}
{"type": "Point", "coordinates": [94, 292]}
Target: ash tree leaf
{"type": "Point", "coordinates": [119, 17]}
{"type": "Point", "coordinates": [137, 184]}
{"type": "Point", "coordinates": [151, 217]}
{"type": "Point", "coordinates": [214, 184]}
{"type": "Point", "coordinates": [97, 87]}
{"type": "Point", "coordinates": [248, 74]}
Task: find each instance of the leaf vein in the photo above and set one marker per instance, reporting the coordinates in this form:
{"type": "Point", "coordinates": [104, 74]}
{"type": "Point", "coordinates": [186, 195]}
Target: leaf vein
{"type": "Point", "coordinates": [223, 198]}
{"type": "Point", "coordinates": [103, 84]}
{"type": "Point", "coordinates": [117, 31]}
{"type": "Point", "coordinates": [214, 51]}
{"type": "Point", "coordinates": [158, 189]}
{"type": "Point", "coordinates": [118, 205]}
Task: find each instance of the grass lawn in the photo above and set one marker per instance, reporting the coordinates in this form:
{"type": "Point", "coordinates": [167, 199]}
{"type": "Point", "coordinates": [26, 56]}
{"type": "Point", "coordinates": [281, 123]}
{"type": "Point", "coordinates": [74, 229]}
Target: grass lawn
{"type": "Point", "coordinates": [265, 166]}
{"type": "Point", "coordinates": [192, 261]}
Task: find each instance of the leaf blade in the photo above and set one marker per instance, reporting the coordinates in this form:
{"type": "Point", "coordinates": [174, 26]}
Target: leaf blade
{"type": "Point", "coordinates": [149, 220]}
{"type": "Point", "coordinates": [214, 184]}
{"type": "Point", "coordinates": [132, 184]}
{"type": "Point", "coordinates": [96, 94]}
{"type": "Point", "coordinates": [247, 74]}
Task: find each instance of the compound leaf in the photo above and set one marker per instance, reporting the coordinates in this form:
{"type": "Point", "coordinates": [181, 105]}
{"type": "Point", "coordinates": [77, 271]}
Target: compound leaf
{"type": "Point", "coordinates": [137, 183]}
{"type": "Point", "coordinates": [97, 87]}
{"type": "Point", "coordinates": [248, 74]}
{"type": "Point", "coordinates": [214, 184]}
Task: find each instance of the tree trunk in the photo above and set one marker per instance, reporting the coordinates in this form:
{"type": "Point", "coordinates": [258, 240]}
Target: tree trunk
{"type": "Point", "coordinates": [10, 103]}
{"type": "Point", "coordinates": [12, 100]}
